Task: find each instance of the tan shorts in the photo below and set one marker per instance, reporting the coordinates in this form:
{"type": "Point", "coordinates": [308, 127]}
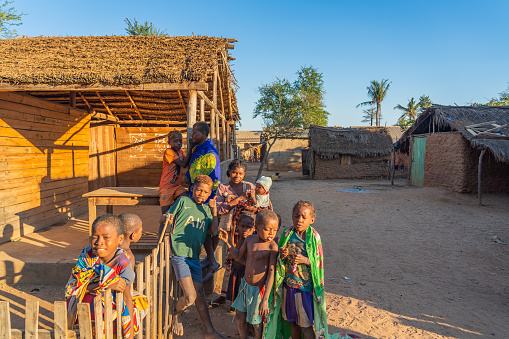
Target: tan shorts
{"type": "Point", "coordinates": [167, 196]}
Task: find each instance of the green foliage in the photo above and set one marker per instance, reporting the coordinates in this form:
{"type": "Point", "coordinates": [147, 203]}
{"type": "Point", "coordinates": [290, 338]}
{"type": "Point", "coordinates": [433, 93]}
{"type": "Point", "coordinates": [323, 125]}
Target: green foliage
{"type": "Point", "coordinates": [425, 102]}
{"type": "Point", "coordinates": [309, 89]}
{"type": "Point", "coordinates": [8, 18]}
{"type": "Point", "coordinates": [376, 93]}
{"type": "Point", "coordinates": [145, 29]}
{"type": "Point", "coordinates": [369, 115]}
{"type": "Point", "coordinates": [502, 100]}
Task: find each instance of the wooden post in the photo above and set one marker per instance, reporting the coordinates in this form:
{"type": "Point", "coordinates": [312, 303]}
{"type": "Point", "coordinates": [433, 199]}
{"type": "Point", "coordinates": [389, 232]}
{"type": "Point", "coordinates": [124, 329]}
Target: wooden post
{"type": "Point", "coordinates": [72, 99]}
{"type": "Point", "coordinates": [169, 295]}
{"type": "Point", "coordinates": [218, 136]}
{"type": "Point", "coordinates": [85, 321]}
{"type": "Point", "coordinates": [191, 117]}
{"type": "Point", "coordinates": [155, 271]}
{"type": "Point", "coordinates": [5, 320]}
{"type": "Point", "coordinates": [479, 177]}
{"type": "Point", "coordinates": [393, 167]}
{"type": "Point", "coordinates": [60, 318]}
{"type": "Point", "coordinates": [99, 321]}
{"type": "Point", "coordinates": [225, 149]}
{"type": "Point", "coordinates": [202, 109]}
{"type": "Point", "coordinates": [213, 111]}
{"type": "Point", "coordinates": [162, 263]}
{"type": "Point", "coordinates": [148, 318]}
{"type": "Point", "coordinates": [119, 301]}
{"type": "Point", "coordinates": [32, 320]}
{"type": "Point", "coordinates": [139, 282]}
{"type": "Point", "coordinates": [108, 314]}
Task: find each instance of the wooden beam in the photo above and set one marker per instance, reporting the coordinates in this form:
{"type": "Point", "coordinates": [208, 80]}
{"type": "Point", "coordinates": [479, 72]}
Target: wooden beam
{"type": "Point", "coordinates": [152, 122]}
{"type": "Point", "coordinates": [479, 177]}
{"type": "Point", "coordinates": [199, 86]}
{"type": "Point", "coordinates": [203, 96]}
{"type": "Point", "coordinates": [85, 100]}
{"type": "Point", "coordinates": [191, 116]}
{"type": "Point", "coordinates": [134, 105]}
{"type": "Point", "coordinates": [202, 109]}
{"type": "Point", "coordinates": [102, 116]}
{"type": "Point", "coordinates": [72, 99]}
{"type": "Point", "coordinates": [104, 104]}
{"type": "Point", "coordinates": [182, 102]}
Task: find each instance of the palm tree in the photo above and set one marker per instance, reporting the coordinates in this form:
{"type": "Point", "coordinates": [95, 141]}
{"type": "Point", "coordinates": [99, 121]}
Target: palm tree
{"type": "Point", "coordinates": [376, 93]}
{"type": "Point", "coordinates": [411, 111]}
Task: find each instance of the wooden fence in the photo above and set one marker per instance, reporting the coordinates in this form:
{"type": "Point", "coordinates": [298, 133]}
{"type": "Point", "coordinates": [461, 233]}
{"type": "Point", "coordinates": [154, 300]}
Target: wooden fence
{"type": "Point", "coordinates": [154, 279]}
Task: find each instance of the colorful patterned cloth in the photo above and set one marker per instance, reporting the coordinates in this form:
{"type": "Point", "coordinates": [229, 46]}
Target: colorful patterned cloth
{"type": "Point", "coordinates": [204, 161]}
{"type": "Point", "coordinates": [90, 270]}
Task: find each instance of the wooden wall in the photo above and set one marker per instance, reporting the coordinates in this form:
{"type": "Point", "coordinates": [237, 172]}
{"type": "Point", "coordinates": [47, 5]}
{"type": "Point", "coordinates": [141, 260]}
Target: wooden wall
{"type": "Point", "coordinates": [43, 163]}
{"type": "Point", "coordinates": [140, 154]}
{"type": "Point", "coordinates": [103, 160]}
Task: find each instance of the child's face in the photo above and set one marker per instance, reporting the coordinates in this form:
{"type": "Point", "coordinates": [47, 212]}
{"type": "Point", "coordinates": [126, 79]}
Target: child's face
{"type": "Point", "coordinates": [105, 240]}
{"type": "Point", "coordinates": [201, 192]}
{"type": "Point", "coordinates": [137, 235]}
{"type": "Point", "coordinates": [175, 142]}
{"type": "Point", "coordinates": [246, 227]}
{"type": "Point", "coordinates": [259, 189]}
{"type": "Point", "coordinates": [237, 175]}
{"type": "Point", "coordinates": [199, 137]}
{"type": "Point", "coordinates": [302, 218]}
{"type": "Point", "coordinates": [267, 231]}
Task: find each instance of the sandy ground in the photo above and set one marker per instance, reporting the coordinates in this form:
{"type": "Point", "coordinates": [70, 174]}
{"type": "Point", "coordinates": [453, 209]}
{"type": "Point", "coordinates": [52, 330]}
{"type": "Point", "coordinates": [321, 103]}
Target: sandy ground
{"type": "Point", "coordinates": [400, 262]}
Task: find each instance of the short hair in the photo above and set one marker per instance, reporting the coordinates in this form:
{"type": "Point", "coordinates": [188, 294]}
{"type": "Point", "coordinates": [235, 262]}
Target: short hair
{"type": "Point", "coordinates": [132, 223]}
{"type": "Point", "coordinates": [111, 219]}
{"type": "Point", "coordinates": [264, 216]}
{"type": "Point", "coordinates": [236, 163]}
{"type": "Point", "coordinates": [202, 126]}
{"type": "Point", "coordinates": [203, 179]}
{"type": "Point", "coordinates": [247, 214]}
{"type": "Point", "coordinates": [279, 221]}
{"type": "Point", "coordinates": [174, 133]}
{"type": "Point", "coordinates": [308, 204]}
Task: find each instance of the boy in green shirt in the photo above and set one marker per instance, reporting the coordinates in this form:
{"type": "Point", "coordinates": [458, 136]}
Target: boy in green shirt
{"type": "Point", "coordinates": [191, 219]}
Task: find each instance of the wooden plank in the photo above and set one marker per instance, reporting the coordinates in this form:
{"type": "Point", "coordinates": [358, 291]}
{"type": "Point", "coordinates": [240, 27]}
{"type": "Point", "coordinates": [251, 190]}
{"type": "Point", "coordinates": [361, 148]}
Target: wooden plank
{"type": "Point", "coordinates": [155, 272]}
{"type": "Point", "coordinates": [98, 316]}
{"type": "Point", "coordinates": [134, 105]}
{"type": "Point", "coordinates": [5, 320]}
{"type": "Point", "coordinates": [191, 115]}
{"type": "Point", "coordinates": [148, 293]}
{"type": "Point", "coordinates": [102, 116]}
{"type": "Point", "coordinates": [119, 302]}
{"type": "Point", "coordinates": [209, 102]}
{"type": "Point", "coordinates": [202, 110]}
{"type": "Point", "coordinates": [167, 266]}
{"type": "Point", "coordinates": [139, 287]}
{"type": "Point", "coordinates": [108, 314]}
{"type": "Point", "coordinates": [60, 320]}
{"type": "Point", "coordinates": [32, 319]}
{"type": "Point", "coordinates": [127, 192]}
{"type": "Point", "coordinates": [202, 86]}
{"type": "Point", "coordinates": [36, 102]}
{"type": "Point", "coordinates": [160, 290]}
{"type": "Point", "coordinates": [85, 321]}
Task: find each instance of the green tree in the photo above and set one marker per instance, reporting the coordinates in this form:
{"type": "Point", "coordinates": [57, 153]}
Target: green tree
{"type": "Point", "coordinates": [425, 102]}
{"type": "Point", "coordinates": [376, 93]}
{"type": "Point", "coordinates": [145, 29]}
{"type": "Point", "coordinates": [369, 115]}
{"type": "Point", "coordinates": [8, 18]}
{"type": "Point", "coordinates": [309, 89]}
{"type": "Point", "coordinates": [502, 100]}
{"type": "Point", "coordinates": [279, 108]}
{"type": "Point", "coordinates": [410, 113]}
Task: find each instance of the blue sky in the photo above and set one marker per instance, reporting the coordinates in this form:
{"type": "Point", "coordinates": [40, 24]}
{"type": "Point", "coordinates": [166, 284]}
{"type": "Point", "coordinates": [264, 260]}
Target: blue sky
{"type": "Point", "coordinates": [454, 51]}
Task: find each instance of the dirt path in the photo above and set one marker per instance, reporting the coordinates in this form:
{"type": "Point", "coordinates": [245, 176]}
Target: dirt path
{"type": "Point", "coordinates": [401, 262]}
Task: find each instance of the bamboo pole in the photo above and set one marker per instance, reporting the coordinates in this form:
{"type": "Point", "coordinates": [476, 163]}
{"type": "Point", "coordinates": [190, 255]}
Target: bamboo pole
{"type": "Point", "coordinates": [479, 177]}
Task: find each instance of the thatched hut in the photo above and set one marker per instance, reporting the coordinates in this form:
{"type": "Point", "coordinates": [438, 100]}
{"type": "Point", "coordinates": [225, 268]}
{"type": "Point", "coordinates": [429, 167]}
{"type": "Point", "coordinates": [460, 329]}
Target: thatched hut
{"type": "Point", "coordinates": [453, 147]}
{"type": "Point", "coordinates": [343, 153]}
{"type": "Point", "coordinates": [80, 113]}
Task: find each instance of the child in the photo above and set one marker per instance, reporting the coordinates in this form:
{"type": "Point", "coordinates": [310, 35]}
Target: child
{"type": "Point", "coordinates": [191, 218]}
{"type": "Point", "coordinates": [173, 162]}
{"type": "Point", "coordinates": [299, 298]}
{"type": "Point", "coordinates": [262, 198]}
{"type": "Point", "coordinates": [133, 227]}
{"type": "Point", "coordinates": [246, 227]}
{"type": "Point", "coordinates": [101, 265]}
{"type": "Point", "coordinates": [259, 252]}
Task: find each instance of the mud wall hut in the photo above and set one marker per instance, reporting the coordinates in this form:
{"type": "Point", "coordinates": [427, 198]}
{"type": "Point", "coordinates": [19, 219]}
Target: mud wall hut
{"type": "Point", "coordinates": [345, 153]}
{"type": "Point", "coordinates": [286, 154]}
{"type": "Point", "coordinates": [80, 113]}
{"type": "Point", "coordinates": [445, 146]}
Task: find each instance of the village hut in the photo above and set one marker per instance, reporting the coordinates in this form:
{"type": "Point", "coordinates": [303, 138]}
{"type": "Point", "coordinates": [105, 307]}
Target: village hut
{"type": "Point", "coordinates": [464, 149]}
{"type": "Point", "coordinates": [346, 153]}
{"type": "Point", "coordinates": [286, 153]}
{"type": "Point", "coordinates": [81, 113]}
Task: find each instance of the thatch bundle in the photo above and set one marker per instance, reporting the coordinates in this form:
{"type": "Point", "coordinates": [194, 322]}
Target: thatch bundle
{"type": "Point", "coordinates": [331, 143]}
{"type": "Point", "coordinates": [456, 118]}
{"type": "Point", "coordinates": [115, 60]}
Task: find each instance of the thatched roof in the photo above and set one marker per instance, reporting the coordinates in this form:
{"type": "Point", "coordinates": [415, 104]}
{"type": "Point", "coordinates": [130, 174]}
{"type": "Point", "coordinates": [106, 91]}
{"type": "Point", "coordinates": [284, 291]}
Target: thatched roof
{"type": "Point", "coordinates": [157, 71]}
{"type": "Point", "coordinates": [330, 142]}
{"type": "Point", "coordinates": [248, 136]}
{"type": "Point", "coordinates": [454, 118]}
{"type": "Point", "coordinates": [394, 131]}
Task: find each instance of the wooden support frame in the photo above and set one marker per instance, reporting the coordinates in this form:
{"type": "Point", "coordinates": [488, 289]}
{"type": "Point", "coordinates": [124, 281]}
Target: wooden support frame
{"type": "Point", "coordinates": [202, 109]}
{"type": "Point", "coordinates": [182, 102]}
{"type": "Point", "coordinates": [185, 86]}
{"type": "Point", "coordinates": [72, 99]}
{"type": "Point", "coordinates": [479, 176]}
{"type": "Point", "coordinates": [134, 105]}
{"type": "Point", "coordinates": [191, 115]}
{"type": "Point", "coordinates": [104, 104]}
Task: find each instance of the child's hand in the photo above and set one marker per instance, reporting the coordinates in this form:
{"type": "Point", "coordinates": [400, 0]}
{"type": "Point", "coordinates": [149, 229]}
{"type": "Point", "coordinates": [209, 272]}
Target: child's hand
{"type": "Point", "coordinates": [165, 216]}
{"type": "Point", "coordinates": [250, 194]}
{"type": "Point", "coordinates": [264, 308]}
{"type": "Point", "coordinates": [252, 209]}
{"type": "Point", "coordinates": [213, 203]}
{"type": "Point", "coordinates": [223, 235]}
{"type": "Point", "coordinates": [283, 252]}
{"type": "Point", "coordinates": [300, 259]}
{"type": "Point", "coordinates": [119, 286]}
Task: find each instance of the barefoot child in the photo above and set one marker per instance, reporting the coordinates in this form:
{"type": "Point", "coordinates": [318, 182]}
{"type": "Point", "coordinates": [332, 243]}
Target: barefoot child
{"type": "Point", "coordinates": [259, 252]}
{"type": "Point", "coordinates": [101, 265]}
{"type": "Point", "coordinates": [190, 219]}
{"type": "Point", "coordinates": [133, 226]}
{"type": "Point", "coordinates": [298, 308]}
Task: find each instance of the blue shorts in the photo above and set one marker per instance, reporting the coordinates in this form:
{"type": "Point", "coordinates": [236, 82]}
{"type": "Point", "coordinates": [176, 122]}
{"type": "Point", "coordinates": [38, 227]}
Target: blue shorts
{"type": "Point", "coordinates": [187, 267]}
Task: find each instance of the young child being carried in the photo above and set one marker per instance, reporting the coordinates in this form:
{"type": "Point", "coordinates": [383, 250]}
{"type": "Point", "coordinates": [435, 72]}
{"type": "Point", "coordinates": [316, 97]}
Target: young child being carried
{"type": "Point", "coordinates": [101, 265]}
{"type": "Point", "coordinates": [133, 227]}
{"type": "Point", "coordinates": [298, 307]}
{"type": "Point", "coordinates": [190, 219]}
{"type": "Point", "coordinates": [262, 197]}
{"type": "Point", "coordinates": [259, 252]}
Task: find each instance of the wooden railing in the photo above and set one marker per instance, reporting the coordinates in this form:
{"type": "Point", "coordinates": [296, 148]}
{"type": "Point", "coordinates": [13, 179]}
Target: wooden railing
{"type": "Point", "coordinates": [154, 279]}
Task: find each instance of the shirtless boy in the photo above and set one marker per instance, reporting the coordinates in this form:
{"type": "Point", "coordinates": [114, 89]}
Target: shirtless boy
{"type": "Point", "coordinates": [259, 252]}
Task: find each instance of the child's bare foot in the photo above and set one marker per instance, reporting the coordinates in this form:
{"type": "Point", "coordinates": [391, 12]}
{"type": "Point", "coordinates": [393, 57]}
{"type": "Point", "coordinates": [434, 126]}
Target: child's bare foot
{"type": "Point", "coordinates": [177, 327]}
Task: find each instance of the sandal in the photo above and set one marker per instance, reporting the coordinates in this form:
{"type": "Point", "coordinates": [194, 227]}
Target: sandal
{"type": "Point", "coordinates": [216, 302]}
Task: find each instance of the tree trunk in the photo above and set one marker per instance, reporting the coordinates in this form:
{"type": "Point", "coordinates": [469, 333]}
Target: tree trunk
{"type": "Point", "coordinates": [371, 118]}
{"type": "Point", "coordinates": [378, 109]}
{"type": "Point", "coordinates": [264, 160]}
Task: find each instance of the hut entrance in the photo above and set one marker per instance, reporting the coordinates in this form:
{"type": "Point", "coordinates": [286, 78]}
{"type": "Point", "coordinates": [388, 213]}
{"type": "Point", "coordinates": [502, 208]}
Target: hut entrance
{"type": "Point", "coordinates": [419, 152]}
